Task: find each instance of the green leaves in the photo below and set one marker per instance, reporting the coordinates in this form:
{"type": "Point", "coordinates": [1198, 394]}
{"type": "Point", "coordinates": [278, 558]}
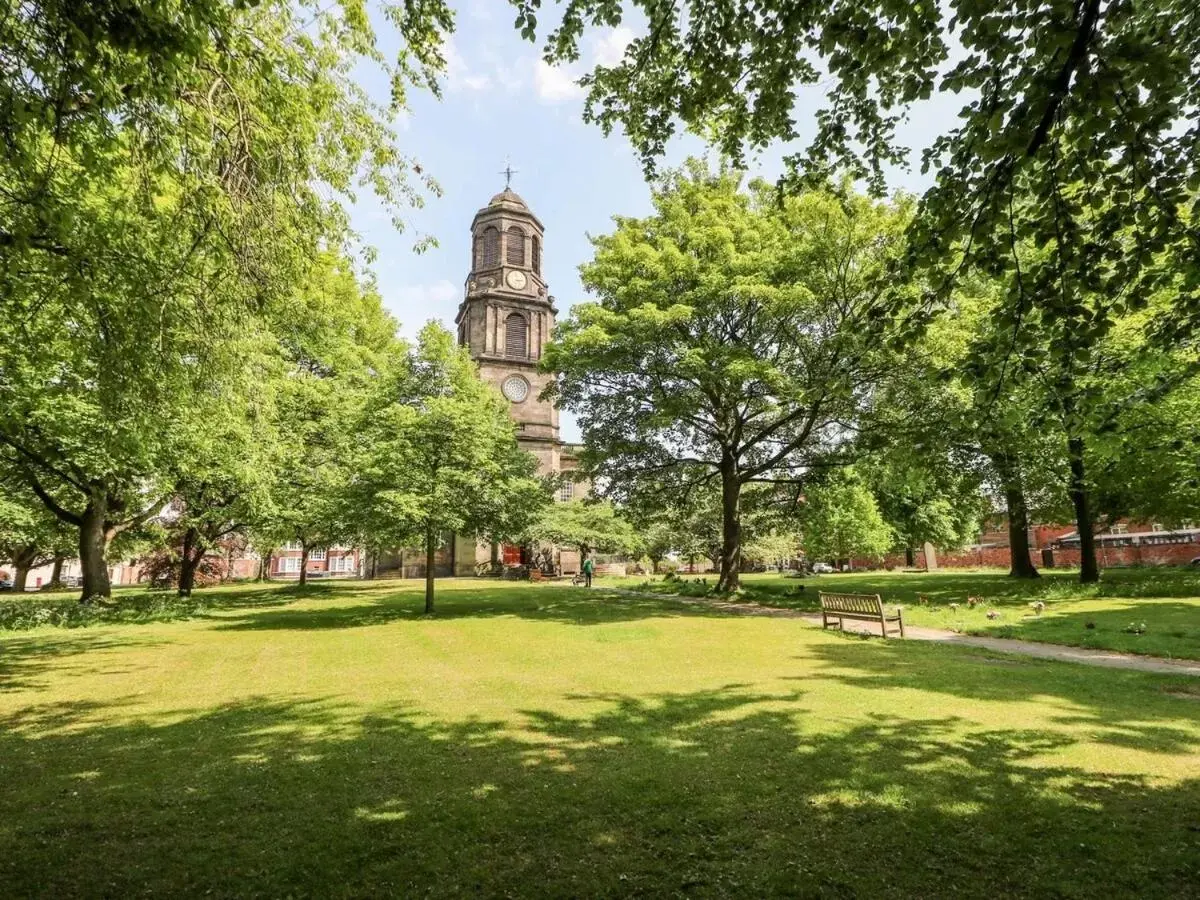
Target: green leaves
{"type": "Point", "coordinates": [435, 451]}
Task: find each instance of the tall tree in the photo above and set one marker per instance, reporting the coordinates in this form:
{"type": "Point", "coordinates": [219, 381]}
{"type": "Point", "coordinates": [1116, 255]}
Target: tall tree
{"type": "Point", "coordinates": [840, 520]}
{"type": "Point", "coordinates": [729, 343]}
{"type": "Point", "coordinates": [29, 535]}
{"type": "Point", "coordinates": [169, 173]}
{"type": "Point", "coordinates": [924, 497]}
{"type": "Point", "coordinates": [588, 525]}
{"type": "Point", "coordinates": [327, 359]}
{"type": "Point", "coordinates": [436, 452]}
{"type": "Point", "coordinates": [1063, 102]}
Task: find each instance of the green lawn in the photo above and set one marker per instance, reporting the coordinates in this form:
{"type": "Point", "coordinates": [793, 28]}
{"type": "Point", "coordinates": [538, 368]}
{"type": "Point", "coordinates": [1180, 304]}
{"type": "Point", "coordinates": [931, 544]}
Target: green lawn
{"type": "Point", "coordinates": [1165, 601]}
{"type": "Point", "coordinates": [544, 740]}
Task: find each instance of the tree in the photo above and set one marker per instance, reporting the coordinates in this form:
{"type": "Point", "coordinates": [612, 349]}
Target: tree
{"type": "Point", "coordinates": [29, 535]}
{"type": "Point", "coordinates": [840, 520]}
{"type": "Point", "coordinates": [591, 526]}
{"type": "Point", "coordinates": [925, 497]}
{"type": "Point", "coordinates": [436, 452]}
{"type": "Point", "coordinates": [169, 175]}
{"type": "Point", "coordinates": [659, 538]}
{"type": "Point", "coordinates": [729, 343]}
{"type": "Point", "coordinates": [327, 359]}
{"type": "Point", "coordinates": [775, 547]}
{"type": "Point", "coordinates": [1069, 104]}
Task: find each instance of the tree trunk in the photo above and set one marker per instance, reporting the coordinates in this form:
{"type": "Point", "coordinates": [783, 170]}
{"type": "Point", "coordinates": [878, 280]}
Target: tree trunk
{"type": "Point", "coordinates": [731, 527]}
{"type": "Point", "coordinates": [909, 560]}
{"type": "Point", "coordinates": [264, 565]}
{"type": "Point", "coordinates": [1007, 468]}
{"type": "Point", "coordinates": [430, 552]}
{"type": "Point", "coordinates": [189, 561]}
{"type": "Point", "coordinates": [56, 575]}
{"type": "Point", "coordinates": [304, 565]}
{"type": "Point", "coordinates": [93, 548]}
{"type": "Point", "coordinates": [1089, 570]}
{"type": "Point", "coordinates": [1020, 563]}
{"type": "Point", "coordinates": [20, 577]}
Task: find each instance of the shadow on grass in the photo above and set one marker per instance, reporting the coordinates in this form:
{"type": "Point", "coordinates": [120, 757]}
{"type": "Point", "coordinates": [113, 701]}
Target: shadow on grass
{"type": "Point", "coordinates": [1113, 707]}
{"type": "Point", "coordinates": [24, 660]}
{"type": "Point", "coordinates": [575, 606]}
{"type": "Point", "coordinates": [997, 589]}
{"type": "Point", "coordinates": [719, 793]}
{"type": "Point", "coordinates": [1172, 628]}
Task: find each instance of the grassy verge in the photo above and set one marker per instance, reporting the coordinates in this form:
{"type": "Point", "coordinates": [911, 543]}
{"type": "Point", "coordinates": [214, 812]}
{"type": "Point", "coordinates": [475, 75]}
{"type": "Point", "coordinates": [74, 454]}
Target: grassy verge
{"type": "Point", "coordinates": [1150, 611]}
{"type": "Point", "coordinates": [547, 741]}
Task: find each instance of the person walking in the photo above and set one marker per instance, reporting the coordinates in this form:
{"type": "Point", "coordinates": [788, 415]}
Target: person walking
{"type": "Point", "coordinates": [588, 568]}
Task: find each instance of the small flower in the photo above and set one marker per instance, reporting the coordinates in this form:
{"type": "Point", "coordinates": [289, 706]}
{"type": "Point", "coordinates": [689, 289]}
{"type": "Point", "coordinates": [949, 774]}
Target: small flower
{"type": "Point", "coordinates": [1038, 606]}
{"type": "Point", "coordinates": [992, 614]}
{"type": "Point", "coordinates": [953, 606]}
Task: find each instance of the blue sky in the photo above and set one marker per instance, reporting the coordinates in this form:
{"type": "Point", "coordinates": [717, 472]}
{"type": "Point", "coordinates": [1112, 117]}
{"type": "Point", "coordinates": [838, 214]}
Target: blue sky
{"type": "Point", "coordinates": [501, 101]}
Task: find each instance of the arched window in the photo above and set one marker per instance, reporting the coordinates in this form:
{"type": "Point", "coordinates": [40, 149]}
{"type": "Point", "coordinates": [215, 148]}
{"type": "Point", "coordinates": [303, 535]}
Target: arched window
{"type": "Point", "coordinates": [537, 255]}
{"type": "Point", "coordinates": [476, 261]}
{"type": "Point", "coordinates": [516, 247]}
{"type": "Point", "coordinates": [516, 335]}
{"type": "Point", "coordinates": [490, 256]}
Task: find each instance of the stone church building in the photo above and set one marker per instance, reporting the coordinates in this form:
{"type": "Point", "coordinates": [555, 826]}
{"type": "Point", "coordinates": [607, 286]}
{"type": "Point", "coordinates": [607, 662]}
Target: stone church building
{"type": "Point", "coordinates": [506, 318]}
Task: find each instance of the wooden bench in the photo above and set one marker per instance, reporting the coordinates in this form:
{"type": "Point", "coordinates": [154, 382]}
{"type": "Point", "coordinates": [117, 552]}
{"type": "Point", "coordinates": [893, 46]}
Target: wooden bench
{"type": "Point", "coordinates": [864, 607]}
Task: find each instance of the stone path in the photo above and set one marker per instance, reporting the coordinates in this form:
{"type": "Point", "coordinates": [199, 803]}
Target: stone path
{"type": "Point", "coordinates": [1107, 658]}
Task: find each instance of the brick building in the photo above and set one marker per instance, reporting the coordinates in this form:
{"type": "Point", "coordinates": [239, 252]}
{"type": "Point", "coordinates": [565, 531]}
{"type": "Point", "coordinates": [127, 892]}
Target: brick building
{"type": "Point", "coordinates": [337, 561]}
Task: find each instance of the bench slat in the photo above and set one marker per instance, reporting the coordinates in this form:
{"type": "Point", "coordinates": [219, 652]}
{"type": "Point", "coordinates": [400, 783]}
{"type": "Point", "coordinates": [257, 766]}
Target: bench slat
{"type": "Point", "coordinates": [863, 607]}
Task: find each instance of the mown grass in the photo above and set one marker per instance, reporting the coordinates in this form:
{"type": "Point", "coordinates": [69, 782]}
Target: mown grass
{"type": "Point", "coordinates": [547, 741]}
{"type": "Point", "coordinates": [1155, 612]}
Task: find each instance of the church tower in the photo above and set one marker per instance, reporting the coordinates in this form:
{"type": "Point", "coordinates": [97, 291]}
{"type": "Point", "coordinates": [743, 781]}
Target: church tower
{"type": "Point", "coordinates": [507, 316]}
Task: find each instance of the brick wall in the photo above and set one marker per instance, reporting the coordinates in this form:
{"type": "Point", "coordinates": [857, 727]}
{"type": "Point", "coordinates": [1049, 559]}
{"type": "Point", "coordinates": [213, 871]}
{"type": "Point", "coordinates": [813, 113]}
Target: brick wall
{"type": "Point", "coordinates": [999, 557]}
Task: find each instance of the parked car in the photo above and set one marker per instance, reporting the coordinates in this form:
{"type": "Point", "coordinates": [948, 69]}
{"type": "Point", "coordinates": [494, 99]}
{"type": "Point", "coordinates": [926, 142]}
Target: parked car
{"type": "Point", "coordinates": [6, 585]}
{"type": "Point", "coordinates": [821, 568]}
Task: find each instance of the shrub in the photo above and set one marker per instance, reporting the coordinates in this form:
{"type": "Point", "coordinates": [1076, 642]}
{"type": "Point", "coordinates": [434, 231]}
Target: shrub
{"type": "Point", "coordinates": [35, 611]}
{"type": "Point", "coordinates": [161, 569]}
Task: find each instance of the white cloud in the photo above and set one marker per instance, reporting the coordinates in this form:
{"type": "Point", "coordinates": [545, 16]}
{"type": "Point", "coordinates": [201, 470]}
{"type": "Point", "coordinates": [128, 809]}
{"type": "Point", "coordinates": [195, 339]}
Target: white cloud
{"type": "Point", "coordinates": [459, 76]}
{"type": "Point", "coordinates": [610, 49]}
{"type": "Point", "coordinates": [555, 84]}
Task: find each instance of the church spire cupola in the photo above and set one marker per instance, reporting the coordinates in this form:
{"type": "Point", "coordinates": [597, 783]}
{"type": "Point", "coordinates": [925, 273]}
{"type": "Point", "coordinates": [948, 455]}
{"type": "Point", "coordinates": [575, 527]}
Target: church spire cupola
{"type": "Point", "coordinates": [507, 315]}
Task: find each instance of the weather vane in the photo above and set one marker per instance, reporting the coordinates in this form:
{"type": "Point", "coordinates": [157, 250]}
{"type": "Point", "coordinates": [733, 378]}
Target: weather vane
{"type": "Point", "coordinates": [508, 172]}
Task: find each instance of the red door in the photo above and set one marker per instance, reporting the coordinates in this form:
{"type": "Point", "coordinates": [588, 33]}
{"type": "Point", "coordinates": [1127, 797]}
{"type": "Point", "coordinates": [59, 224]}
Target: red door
{"type": "Point", "coordinates": [511, 554]}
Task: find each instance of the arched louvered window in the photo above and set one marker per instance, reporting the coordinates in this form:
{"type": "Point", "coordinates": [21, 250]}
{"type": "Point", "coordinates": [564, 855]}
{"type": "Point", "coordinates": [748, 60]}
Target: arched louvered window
{"type": "Point", "coordinates": [490, 255]}
{"type": "Point", "coordinates": [537, 255]}
{"type": "Point", "coordinates": [516, 335]}
{"type": "Point", "coordinates": [516, 247]}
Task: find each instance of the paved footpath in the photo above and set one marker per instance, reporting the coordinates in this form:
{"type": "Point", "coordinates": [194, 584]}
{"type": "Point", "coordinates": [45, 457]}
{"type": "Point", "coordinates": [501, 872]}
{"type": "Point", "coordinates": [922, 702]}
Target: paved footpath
{"type": "Point", "coordinates": [1107, 658]}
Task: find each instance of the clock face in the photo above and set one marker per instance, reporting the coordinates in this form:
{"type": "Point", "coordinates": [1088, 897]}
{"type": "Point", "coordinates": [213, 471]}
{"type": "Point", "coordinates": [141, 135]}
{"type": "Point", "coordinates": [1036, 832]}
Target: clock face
{"type": "Point", "coordinates": [515, 388]}
{"type": "Point", "coordinates": [516, 280]}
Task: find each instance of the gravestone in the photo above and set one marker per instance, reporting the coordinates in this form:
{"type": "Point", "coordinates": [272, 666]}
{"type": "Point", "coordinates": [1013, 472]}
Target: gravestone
{"type": "Point", "coordinates": [930, 557]}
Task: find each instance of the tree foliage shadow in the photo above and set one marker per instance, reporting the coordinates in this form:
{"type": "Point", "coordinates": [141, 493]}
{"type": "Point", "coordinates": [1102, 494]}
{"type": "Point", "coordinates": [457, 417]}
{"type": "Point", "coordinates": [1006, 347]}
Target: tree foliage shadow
{"type": "Point", "coordinates": [717, 793]}
{"type": "Point", "coordinates": [996, 588]}
{"type": "Point", "coordinates": [24, 657]}
{"type": "Point", "coordinates": [1114, 705]}
{"type": "Point", "coordinates": [554, 604]}
{"type": "Point", "coordinates": [1173, 628]}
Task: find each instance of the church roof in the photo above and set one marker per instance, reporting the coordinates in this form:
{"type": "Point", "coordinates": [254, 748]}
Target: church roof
{"type": "Point", "coordinates": [508, 195]}
{"type": "Point", "coordinates": [508, 201]}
